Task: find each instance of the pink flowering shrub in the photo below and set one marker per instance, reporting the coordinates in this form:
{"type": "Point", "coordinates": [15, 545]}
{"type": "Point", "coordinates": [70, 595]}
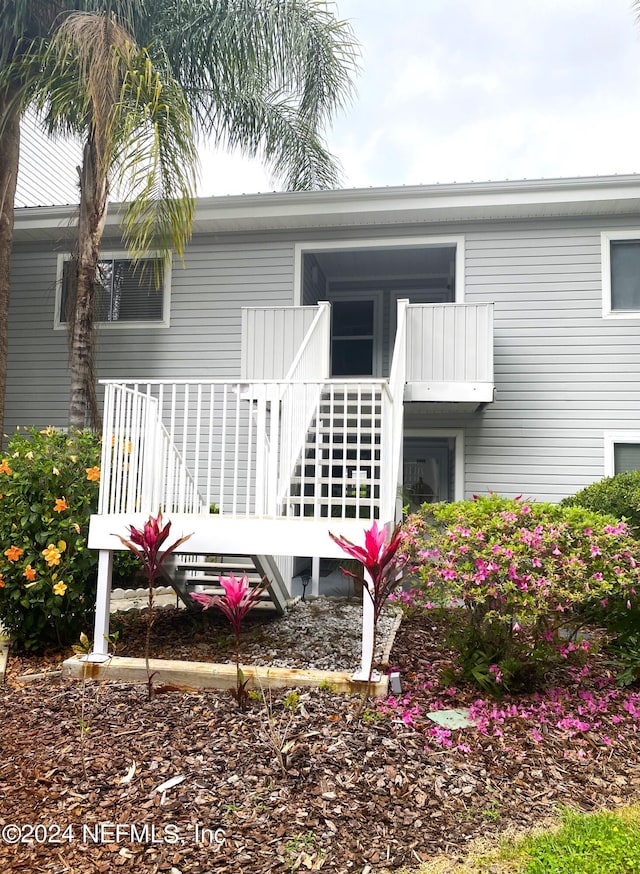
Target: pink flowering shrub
{"type": "Point", "coordinates": [521, 571]}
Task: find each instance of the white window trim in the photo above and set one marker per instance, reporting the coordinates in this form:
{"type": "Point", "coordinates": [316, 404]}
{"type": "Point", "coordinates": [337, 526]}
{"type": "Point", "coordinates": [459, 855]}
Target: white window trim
{"type": "Point", "coordinates": [610, 440]}
{"type": "Point", "coordinates": [117, 254]}
{"type": "Point", "coordinates": [303, 248]}
{"type": "Point", "coordinates": [458, 434]}
{"type": "Point", "coordinates": [606, 238]}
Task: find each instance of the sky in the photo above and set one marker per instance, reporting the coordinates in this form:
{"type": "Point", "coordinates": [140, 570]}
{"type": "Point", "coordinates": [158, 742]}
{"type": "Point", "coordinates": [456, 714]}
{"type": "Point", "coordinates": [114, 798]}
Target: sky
{"type": "Point", "coordinates": [477, 90]}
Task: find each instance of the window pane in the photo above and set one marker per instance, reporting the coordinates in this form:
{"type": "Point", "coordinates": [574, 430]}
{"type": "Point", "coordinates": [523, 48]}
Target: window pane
{"type": "Point", "coordinates": [626, 456]}
{"type": "Point", "coordinates": [352, 318]}
{"type": "Point", "coordinates": [352, 358]}
{"type": "Point", "coordinates": [429, 470]}
{"type": "Point", "coordinates": [136, 295]}
{"type": "Point", "coordinates": [625, 275]}
{"type": "Point", "coordinates": [122, 292]}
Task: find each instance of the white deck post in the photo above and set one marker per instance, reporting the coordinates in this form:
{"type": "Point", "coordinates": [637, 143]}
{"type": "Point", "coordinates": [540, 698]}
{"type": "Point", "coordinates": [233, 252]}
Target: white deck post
{"type": "Point", "coordinates": [103, 602]}
{"type": "Point", "coordinates": [367, 634]}
{"type": "Point", "coordinates": [315, 576]}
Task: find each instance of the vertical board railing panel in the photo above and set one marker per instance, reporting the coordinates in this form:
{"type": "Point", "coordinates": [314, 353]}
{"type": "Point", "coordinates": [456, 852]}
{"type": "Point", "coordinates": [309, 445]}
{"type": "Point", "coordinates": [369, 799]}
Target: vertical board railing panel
{"type": "Point", "coordinates": [449, 343]}
{"type": "Point", "coordinates": [271, 337]}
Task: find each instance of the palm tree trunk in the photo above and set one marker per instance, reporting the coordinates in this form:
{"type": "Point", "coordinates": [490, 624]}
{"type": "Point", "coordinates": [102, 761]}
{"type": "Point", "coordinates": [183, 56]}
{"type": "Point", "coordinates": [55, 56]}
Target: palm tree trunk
{"type": "Point", "coordinates": [83, 406]}
{"type": "Point", "coordinates": [10, 151]}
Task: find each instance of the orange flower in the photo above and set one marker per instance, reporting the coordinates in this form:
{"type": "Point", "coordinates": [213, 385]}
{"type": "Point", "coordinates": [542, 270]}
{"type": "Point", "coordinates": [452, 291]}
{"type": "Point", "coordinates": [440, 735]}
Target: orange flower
{"type": "Point", "coordinates": [51, 555]}
{"type": "Point", "coordinates": [29, 573]}
{"type": "Point", "coordinates": [13, 553]}
{"type": "Point", "coordinates": [93, 474]}
{"type": "Point", "coordinates": [61, 504]}
{"type": "Point", "coordinates": [2, 583]}
{"type": "Point", "coordinates": [4, 466]}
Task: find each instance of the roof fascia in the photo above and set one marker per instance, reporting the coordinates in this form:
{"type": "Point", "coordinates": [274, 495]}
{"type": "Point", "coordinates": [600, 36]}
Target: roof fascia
{"type": "Point", "coordinates": [426, 203]}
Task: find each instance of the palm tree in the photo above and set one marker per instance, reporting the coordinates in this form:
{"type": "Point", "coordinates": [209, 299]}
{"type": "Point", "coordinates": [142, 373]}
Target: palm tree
{"type": "Point", "coordinates": [95, 81]}
{"type": "Point", "coordinates": [24, 28]}
{"type": "Point", "coordinates": [265, 76]}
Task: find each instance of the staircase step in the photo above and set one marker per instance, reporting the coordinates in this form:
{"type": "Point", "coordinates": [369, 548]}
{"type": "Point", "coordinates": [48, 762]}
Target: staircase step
{"type": "Point", "coordinates": [243, 564]}
{"type": "Point", "coordinates": [210, 587]}
{"type": "Point", "coordinates": [204, 573]}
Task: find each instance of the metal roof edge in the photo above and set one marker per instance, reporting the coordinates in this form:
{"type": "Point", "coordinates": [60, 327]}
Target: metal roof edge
{"type": "Point", "coordinates": [448, 201]}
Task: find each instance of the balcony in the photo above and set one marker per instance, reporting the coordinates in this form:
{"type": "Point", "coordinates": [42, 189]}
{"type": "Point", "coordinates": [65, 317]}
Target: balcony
{"type": "Point", "coordinates": [449, 353]}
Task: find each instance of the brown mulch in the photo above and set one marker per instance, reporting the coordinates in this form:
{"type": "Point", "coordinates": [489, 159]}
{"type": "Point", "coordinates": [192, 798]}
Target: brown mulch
{"type": "Point", "coordinates": [291, 784]}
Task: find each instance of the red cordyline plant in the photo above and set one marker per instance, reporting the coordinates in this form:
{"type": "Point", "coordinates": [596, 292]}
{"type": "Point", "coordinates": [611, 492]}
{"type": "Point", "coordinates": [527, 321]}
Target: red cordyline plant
{"type": "Point", "coordinates": [238, 600]}
{"type": "Point", "coordinates": [147, 544]}
{"type": "Point", "coordinates": [384, 565]}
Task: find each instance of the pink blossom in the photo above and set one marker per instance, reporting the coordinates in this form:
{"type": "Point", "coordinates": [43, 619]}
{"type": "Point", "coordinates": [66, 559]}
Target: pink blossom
{"type": "Point", "coordinates": [497, 673]}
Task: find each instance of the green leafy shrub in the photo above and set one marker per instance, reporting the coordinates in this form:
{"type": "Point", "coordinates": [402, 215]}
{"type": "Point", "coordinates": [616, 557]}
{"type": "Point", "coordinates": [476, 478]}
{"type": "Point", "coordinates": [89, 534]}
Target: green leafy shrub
{"type": "Point", "coordinates": [49, 485]}
{"type": "Point", "coordinates": [617, 496]}
{"type": "Point", "coordinates": [521, 572]}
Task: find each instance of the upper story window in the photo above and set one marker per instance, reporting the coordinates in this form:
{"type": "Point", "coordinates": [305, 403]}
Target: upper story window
{"type": "Point", "coordinates": [125, 295]}
{"type": "Point", "coordinates": [621, 274]}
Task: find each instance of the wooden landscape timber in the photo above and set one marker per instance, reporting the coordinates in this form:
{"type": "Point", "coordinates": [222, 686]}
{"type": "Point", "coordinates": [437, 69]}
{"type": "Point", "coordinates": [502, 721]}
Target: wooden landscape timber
{"type": "Point", "coordinates": [181, 675]}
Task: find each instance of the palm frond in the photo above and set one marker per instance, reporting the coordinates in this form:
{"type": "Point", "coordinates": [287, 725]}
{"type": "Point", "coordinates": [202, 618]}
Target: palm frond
{"type": "Point", "coordinates": [290, 55]}
{"type": "Point", "coordinates": [274, 130]}
{"type": "Point", "coordinates": [156, 160]}
{"type": "Point", "coordinates": [94, 78]}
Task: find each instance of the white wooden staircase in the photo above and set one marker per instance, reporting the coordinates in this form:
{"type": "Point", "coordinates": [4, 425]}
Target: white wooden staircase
{"type": "Point", "coordinates": [338, 472]}
{"type": "Point", "coordinates": [193, 573]}
{"type": "Point", "coordinates": [268, 465]}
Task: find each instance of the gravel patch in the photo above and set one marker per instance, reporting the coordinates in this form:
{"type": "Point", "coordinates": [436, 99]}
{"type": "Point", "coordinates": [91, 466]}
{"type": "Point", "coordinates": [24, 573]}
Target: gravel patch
{"type": "Point", "coordinates": [322, 634]}
{"type": "Point", "coordinates": [318, 633]}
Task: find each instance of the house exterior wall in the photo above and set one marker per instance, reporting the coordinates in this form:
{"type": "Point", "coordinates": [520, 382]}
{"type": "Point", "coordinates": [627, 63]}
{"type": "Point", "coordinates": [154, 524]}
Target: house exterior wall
{"type": "Point", "coordinates": [219, 277]}
{"type": "Point", "coordinates": [563, 374]}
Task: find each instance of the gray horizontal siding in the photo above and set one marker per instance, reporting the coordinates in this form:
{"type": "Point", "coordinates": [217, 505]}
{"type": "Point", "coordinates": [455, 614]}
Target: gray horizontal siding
{"type": "Point", "coordinates": [219, 277]}
{"type": "Point", "coordinates": [563, 374]}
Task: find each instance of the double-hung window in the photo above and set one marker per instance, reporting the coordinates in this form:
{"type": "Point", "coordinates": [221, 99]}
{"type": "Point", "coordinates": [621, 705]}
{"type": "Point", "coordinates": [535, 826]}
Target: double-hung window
{"type": "Point", "coordinates": [126, 294]}
{"type": "Point", "coordinates": [621, 274]}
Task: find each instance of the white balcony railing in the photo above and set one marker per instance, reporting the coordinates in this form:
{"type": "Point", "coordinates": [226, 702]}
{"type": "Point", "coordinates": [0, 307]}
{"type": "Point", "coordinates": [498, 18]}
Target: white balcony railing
{"type": "Point", "coordinates": [449, 352]}
{"type": "Point", "coordinates": [229, 447]}
{"type": "Point", "coordinates": [271, 339]}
